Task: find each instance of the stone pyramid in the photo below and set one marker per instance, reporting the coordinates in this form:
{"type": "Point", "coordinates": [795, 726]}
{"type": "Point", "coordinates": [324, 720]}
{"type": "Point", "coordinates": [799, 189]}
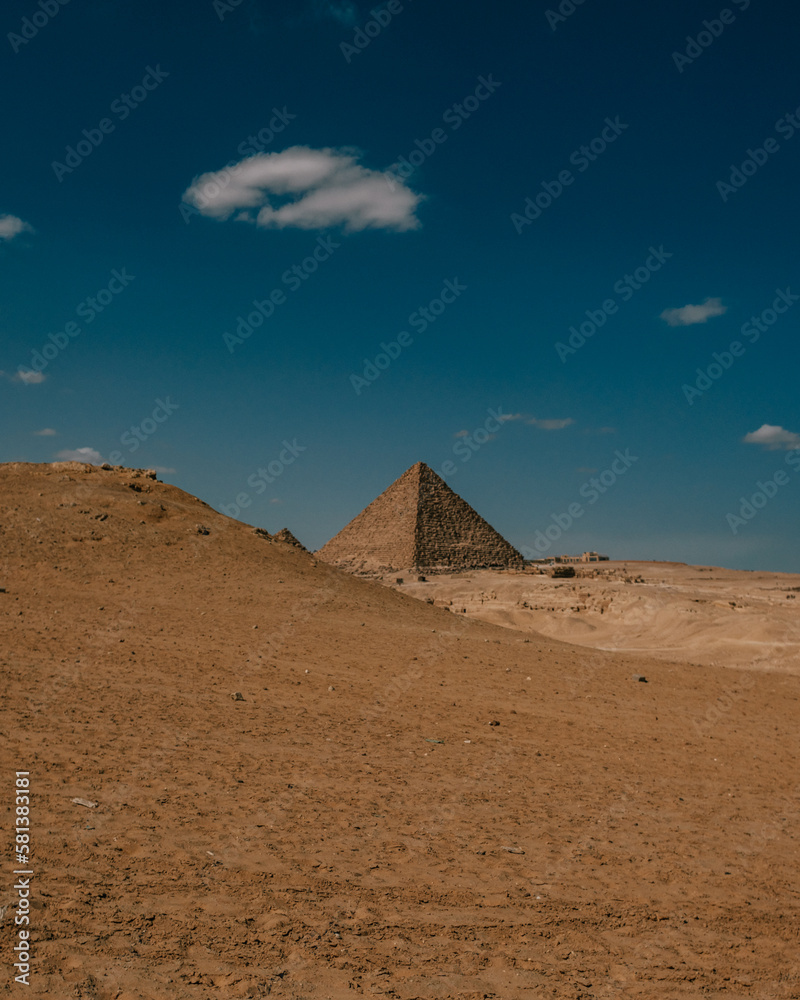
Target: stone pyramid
{"type": "Point", "coordinates": [419, 523]}
{"type": "Point", "coordinates": [284, 535]}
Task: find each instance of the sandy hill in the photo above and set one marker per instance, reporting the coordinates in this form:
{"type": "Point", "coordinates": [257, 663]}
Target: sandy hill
{"type": "Point", "coordinates": [304, 785]}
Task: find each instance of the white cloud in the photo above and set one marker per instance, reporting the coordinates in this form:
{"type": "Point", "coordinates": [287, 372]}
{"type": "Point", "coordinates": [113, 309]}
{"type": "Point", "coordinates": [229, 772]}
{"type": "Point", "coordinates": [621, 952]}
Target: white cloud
{"type": "Point", "coordinates": [550, 425]}
{"type": "Point", "coordinates": [689, 315]}
{"type": "Point", "coordinates": [162, 469]}
{"type": "Point", "coordinates": [542, 424]}
{"type": "Point", "coordinates": [46, 432]}
{"type": "Point", "coordinates": [773, 438]}
{"type": "Point", "coordinates": [306, 189]}
{"type": "Point", "coordinates": [89, 455]}
{"type": "Point", "coordinates": [11, 226]}
{"type": "Point", "coordinates": [29, 377]}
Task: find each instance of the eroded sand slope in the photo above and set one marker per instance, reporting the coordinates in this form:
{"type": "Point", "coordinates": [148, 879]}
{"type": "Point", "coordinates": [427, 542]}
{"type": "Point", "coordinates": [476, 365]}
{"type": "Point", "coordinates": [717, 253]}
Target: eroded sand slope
{"type": "Point", "coordinates": [694, 614]}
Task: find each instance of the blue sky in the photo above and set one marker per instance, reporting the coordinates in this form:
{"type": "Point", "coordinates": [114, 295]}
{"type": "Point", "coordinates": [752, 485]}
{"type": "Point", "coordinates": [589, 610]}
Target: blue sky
{"type": "Point", "coordinates": [364, 173]}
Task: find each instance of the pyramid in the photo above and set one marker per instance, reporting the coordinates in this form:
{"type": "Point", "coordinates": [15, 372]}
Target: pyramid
{"type": "Point", "coordinates": [419, 523]}
{"type": "Point", "coordinates": [284, 535]}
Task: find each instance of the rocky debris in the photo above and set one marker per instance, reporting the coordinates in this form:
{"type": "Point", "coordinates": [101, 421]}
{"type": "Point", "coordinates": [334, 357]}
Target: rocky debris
{"type": "Point", "coordinates": [419, 523]}
{"type": "Point", "coordinates": [202, 530]}
{"type": "Point", "coordinates": [285, 536]}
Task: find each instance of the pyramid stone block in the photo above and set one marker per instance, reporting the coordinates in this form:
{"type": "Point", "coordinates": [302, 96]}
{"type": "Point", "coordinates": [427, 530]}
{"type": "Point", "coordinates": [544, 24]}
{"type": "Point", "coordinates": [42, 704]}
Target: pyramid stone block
{"type": "Point", "coordinates": [419, 523]}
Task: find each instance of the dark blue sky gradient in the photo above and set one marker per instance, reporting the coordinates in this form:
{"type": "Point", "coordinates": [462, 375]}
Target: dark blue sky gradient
{"type": "Point", "coordinates": [654, 186]}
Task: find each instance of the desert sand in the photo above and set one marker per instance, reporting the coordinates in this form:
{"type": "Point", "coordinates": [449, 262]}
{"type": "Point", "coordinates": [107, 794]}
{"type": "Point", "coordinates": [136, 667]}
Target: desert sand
{"type": "Point", "coordinates": [305, 785]}
{"type": "Point", "coordinates": [692, 614]}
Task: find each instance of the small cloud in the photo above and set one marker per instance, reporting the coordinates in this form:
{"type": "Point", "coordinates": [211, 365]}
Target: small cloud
{"type": "Point", "coordinates": [343, 11]}
{"type": "Point", "coordinates": [162, 469]}
{"type": "Point", "coordinates": [550, 425]}
{"type": "Point", "coordinates": [306, 188]}
{"type": "Point", "coordinates": [276, 500]}
{"type": "Point", "coordinates": [29, 377]}
{"type": "Point", "coordinates": [89, 455]}
{"type": "Point", "coordinates": [773, 438]}
{"type": "Point", "coordinates": [46, 432]}
{"type": "Point", "coordinates": [11, 226]}
{"type": "Point", "coordinates": [689, 315]}
{"type": "Point", "coordinates": [461, 434]}
{"type": "Point", "coordinates": [543, 425]}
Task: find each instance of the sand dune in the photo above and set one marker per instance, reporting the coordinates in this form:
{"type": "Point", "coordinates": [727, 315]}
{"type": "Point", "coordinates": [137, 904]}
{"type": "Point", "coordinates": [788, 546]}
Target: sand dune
{"type": "Point", "coordinates": [309, 785]}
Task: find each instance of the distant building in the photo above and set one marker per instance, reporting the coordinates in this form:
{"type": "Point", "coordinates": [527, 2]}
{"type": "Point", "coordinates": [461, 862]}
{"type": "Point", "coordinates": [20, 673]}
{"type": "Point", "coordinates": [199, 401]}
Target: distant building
{"type": "Point", "coordinates": [587, 557]}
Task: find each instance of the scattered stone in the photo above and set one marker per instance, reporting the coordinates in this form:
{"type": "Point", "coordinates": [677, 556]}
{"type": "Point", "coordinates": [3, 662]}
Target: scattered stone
{"type": "Point", "coordinates": [640, 677]}
{"type": "Point", "coordinates": [495, 723]}
{"type": "Point", "coordinates": [202, 530]}
{"type": "Point", "coordinates": [237, 696]}
{"type": "Point", "coordinates": [514, 850]}
{"type": "Point", "coordinates": [85, 802]}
